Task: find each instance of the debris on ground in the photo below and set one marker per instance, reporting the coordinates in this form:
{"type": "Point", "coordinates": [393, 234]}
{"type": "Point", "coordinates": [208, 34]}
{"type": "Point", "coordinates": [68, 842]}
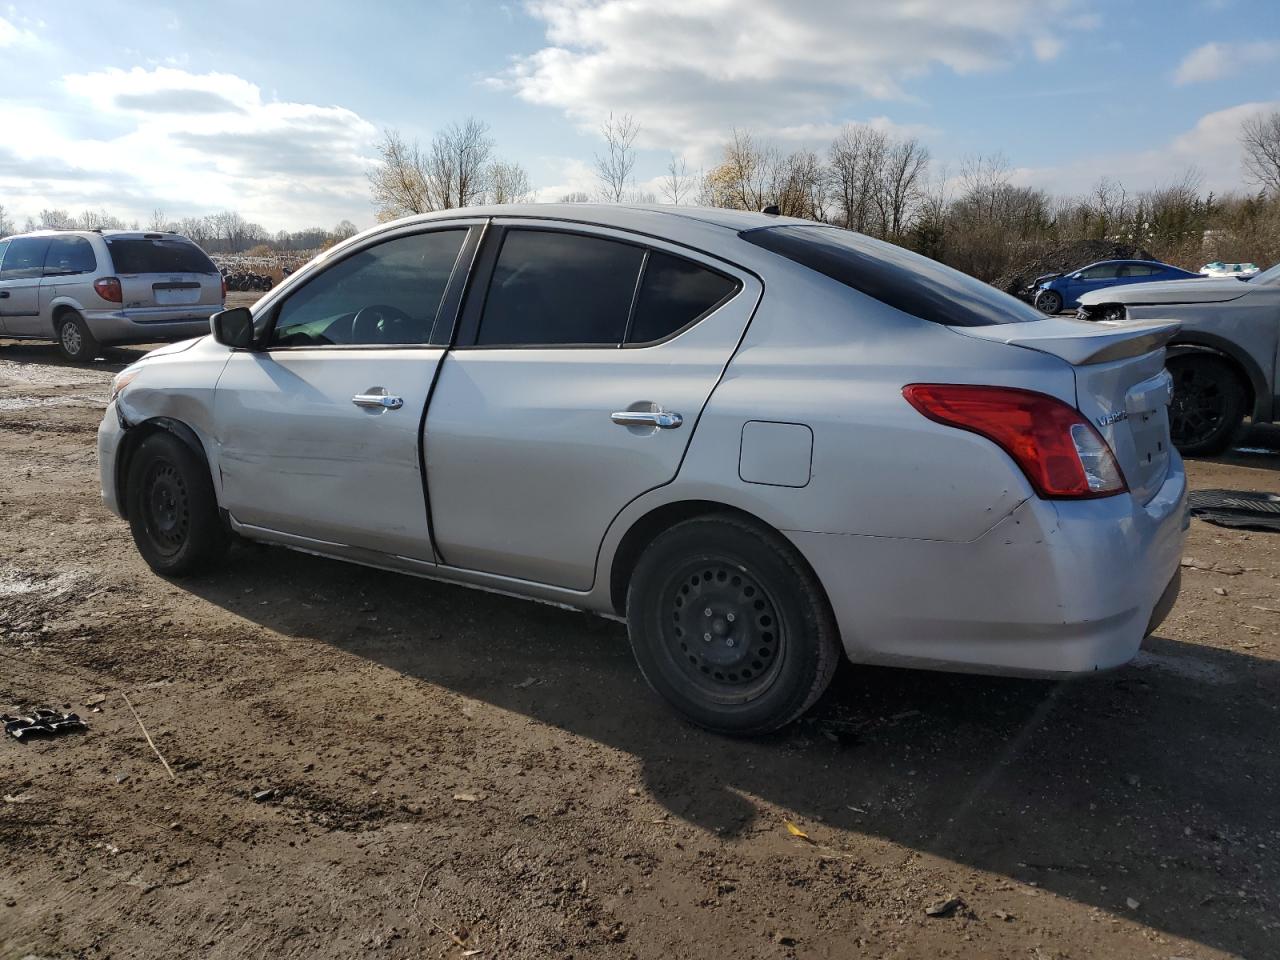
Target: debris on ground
{"type": "Point", "coordinates": [43, 722]}
{"type": "Point", "coordinates": [1242, 509]}
{"type": "Point", "coordinates": [944, 908]}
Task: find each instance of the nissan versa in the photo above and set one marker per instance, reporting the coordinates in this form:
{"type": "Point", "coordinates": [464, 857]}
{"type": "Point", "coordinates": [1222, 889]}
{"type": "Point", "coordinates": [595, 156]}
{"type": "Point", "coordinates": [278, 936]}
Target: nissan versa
{"type": "Point", "coordinates": [761, 441]}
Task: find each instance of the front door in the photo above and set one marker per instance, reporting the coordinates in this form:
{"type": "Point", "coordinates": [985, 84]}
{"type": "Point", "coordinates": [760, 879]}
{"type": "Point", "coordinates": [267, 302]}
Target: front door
{"type": "Point", "coordinates": [318, 432]}
{"type": "Point", "coordinates": [577, 382]}
{"type": "Point", "coordinates": [20, 286]}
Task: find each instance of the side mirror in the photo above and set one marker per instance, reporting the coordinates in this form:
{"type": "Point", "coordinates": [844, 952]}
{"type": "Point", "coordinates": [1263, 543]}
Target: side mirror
{"type": "Point", "coordinates": [233, 328]}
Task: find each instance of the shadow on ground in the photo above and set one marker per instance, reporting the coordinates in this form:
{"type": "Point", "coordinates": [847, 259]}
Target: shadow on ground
{"type": "Point", "coordinates": [1157, 782]}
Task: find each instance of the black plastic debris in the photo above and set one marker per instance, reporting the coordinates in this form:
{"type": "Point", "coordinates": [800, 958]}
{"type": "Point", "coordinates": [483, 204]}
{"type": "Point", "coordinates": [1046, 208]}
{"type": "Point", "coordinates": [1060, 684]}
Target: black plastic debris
{"type": "Point", "coordinates": [43, 722]}
{"type": "Point", "coordinates": [1243, 509]}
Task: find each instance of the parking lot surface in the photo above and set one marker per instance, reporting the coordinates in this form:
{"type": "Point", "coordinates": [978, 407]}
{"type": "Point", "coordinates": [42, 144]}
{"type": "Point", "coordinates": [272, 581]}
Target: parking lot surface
{"type": "Point", "coordinates": [367, 764]}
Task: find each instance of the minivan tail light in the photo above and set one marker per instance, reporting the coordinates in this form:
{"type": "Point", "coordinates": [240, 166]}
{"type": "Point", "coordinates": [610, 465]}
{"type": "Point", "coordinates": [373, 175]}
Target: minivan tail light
{"type": "Point", "coordinates": [223, 278]}
{"type": "Point", "coordinates": [108, 288]}
{"type": "Point", "coordinates": [1060, 452]}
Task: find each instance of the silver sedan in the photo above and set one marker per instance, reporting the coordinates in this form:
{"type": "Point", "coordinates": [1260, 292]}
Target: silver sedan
{"type": "Point", "coordinates": [762, 442]}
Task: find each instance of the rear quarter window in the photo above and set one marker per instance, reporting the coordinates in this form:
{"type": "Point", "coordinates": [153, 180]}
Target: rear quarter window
{"type": "Point", "coordinates": [140, 255]}
{"type": "Point", "coordinates": [895, 276]}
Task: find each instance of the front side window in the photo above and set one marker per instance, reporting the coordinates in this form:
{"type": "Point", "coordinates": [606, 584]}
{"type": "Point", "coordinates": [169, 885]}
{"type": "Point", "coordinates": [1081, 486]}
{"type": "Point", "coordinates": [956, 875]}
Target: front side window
{"type": "Point", "coordinates": [559, 289]}
{"type": "Point", "coordinates": [673, 294]}
{"type": "Point", "coordinates": [24, 260]}
{"type": "Point", "coordinates": [383, 295]}
{"type": "Point", "coordinates": [157, 255]}
{"type": "Point", "coordinates": [1099, 273]}
{"type": "Point", "coordinates": [68, 256]}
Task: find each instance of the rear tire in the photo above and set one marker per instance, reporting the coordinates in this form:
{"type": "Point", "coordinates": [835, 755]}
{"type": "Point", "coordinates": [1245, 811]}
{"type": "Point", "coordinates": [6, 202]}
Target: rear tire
{"type": "Point", "coordinates": [74, 339]}
{"type": "Point", "coordinates": [730, 626]}
{"type": "Point", "coordinates": [1208, 404]}
{"type": "Point", "coordinates": [173, 511]}
{"type": "Point", "coordinates": [1049, 301]}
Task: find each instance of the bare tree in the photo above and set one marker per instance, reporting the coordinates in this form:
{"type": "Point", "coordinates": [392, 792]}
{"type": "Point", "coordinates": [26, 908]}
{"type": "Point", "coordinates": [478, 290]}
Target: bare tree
{"type": "Point", "coordinates": [231, 228]}
{"type": "Point", "coordinates": [97, 220]}
{"type": "Point", "coordinates": [614, 167]}
{"type": "Point", "coordinates": [508, 183]}
{"type": "Point", "coordinates": [198, 229]}
{"type": "Point", "coordinates": [159, 222]}
{"type": "Point", "coordinates": [6, 222]}
{"type": "Point", "coordinates": [55, 219]}
{"type": "Point", "coordinates": [906, 164]}
{"type": "Point", "coordinates": [458, 164]}
{"type": "Point", "coordinates": [576, 196]}
{"type": "Point", "coordinates": [676, 185]}
{"type": "Point", "coordinates": [856, 161]}
{"type": "Point", "coordinates": [1260, 137]}
{"type": "Point", "coordinates": [345, 230]}
{"type": "Point", "coordinates": [399, 180]}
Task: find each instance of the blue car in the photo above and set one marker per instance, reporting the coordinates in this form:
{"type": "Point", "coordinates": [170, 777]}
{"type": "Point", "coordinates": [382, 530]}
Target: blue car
{"type": "Point", "coordinates": [1055, 292]}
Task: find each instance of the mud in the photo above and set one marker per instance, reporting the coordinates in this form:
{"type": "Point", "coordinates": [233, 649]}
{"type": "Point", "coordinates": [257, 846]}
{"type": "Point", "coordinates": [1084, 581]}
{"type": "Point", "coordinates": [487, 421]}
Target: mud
{"type": "Point", "coordinates": [367, 764]}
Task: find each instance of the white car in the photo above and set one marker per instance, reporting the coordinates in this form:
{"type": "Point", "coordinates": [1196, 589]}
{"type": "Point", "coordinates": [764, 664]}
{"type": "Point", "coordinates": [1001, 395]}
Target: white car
{"type": "Point", "coordinates": [762, 442]}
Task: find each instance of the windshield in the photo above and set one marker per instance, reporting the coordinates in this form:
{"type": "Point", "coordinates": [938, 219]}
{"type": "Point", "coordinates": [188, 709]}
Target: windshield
{"type": "Point", "coordinates": [895, 276]}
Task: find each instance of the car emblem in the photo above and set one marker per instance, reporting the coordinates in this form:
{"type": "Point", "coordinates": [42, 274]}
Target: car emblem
{"type": "Point", "coordinates": [1108, 419]}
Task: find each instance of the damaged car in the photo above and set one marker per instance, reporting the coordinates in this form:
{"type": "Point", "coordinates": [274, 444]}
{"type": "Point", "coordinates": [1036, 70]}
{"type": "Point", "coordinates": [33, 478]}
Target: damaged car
{"type": "Point", "coordinates": [764, 444]}
{"type": "Point", "coordinates": [1224, 360]}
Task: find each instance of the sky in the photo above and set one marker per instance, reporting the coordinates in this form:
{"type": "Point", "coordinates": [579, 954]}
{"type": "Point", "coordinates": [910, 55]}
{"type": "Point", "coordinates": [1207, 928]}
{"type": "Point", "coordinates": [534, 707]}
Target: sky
{"type": "Point", "coordinates": [274, 109]}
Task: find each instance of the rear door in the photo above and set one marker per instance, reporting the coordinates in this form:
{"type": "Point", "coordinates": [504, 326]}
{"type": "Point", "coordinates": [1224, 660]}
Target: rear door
{"type": "Point", "coordinates": [584, 359]}
{"type": "Point", "coordinates": [164, 272]}
{"type": "Point", "coordinates": [69, 267]}
{"type": "Point", "coordinates": [20, 286]}
{"type": "Point", "coordinates": [318, 433]}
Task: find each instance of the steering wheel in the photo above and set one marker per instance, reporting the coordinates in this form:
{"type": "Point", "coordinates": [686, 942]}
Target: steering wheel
{"type": "Point", "coordinates": [375, 324]}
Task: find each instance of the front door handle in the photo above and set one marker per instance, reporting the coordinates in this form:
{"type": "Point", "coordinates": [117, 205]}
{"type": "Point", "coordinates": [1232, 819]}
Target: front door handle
{"type": "Point", "coordinates": [645, 418]}
{"type": "Point", "coordinates": [4, 294]}
{"type": "Point", "coordinates": [377, 401]}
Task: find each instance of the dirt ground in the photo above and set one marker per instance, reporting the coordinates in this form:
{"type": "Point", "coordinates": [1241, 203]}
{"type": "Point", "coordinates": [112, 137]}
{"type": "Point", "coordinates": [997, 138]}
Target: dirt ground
{"type": "Point", "coordinates": [366, 764]}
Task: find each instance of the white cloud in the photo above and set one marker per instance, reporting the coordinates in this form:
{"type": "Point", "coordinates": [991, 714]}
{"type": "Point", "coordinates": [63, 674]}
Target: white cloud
{"type": "Point", "coordinates": [1214, 61]}
{"type": "Point", "coordinates": [1211, 147]}
{"type": "Point", "coordinates": [188, 143]}
{"type": "Point", "coordinates": [12, 35]}
{"type": "Point", "coordinates": [688, 71]}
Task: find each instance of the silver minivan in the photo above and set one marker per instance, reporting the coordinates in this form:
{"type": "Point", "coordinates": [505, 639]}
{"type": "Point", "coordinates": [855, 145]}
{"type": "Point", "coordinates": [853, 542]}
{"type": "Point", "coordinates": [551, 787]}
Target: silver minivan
{"type": "Point", "coordinates": [94, 288]}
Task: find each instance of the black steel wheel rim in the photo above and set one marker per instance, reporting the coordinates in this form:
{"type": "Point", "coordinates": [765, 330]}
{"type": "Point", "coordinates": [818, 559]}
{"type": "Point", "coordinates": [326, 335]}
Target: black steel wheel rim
{"type": "Point", "coordinates": [721, 630]}
{"type": "Point", "coordinates": [1198, 407]}
{"type": "Point", "coordinates": [167, 507]}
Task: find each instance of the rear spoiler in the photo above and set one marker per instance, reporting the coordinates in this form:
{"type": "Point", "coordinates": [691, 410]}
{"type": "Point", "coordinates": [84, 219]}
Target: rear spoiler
{"type": "Point", "coordinates": [1081, 342]}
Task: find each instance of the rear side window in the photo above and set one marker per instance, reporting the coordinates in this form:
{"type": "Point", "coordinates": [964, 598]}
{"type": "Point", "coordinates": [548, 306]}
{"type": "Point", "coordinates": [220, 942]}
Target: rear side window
{"type": "Point", "coordinates": [68, 256]}
{"type": "Point", "coordinates": [135, 255]}
{"type": "Point", "coordinates": [3, 245]}
{"type": "Point", "coordinates": [673, 294]}
{"type": "Point", "coordinates": [558, 289]}
{"type": "Point", "coordinates": [1107, 272]}
{"type": "Point", "coordinates": [895, 276]}
{"type": "Point", "coordinates": [24, 260]}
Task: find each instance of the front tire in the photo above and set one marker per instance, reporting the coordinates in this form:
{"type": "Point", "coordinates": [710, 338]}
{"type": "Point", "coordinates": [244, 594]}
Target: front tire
{"type": "Point", "coordinates": [1208, 404]}
{"type": "Point", "coordinates": [1049, 301]}
{"type": "Point", "coordinates": [75, 341]}
{"type": "Point", "coordinates": [730, 626]}
{"type": "Point", "coordinates": [173, 511]}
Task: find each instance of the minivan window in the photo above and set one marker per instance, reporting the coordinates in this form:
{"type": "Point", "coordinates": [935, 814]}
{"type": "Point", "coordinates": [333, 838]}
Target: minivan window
{"type": "Point", "coordinates": [675, 292]}
{"type": "Point", "coordinates": [559, 289]}
{"type": "Point", "coordinates": [140, 255]}
{"type": "Point", "coordinates": [383, 295]}
{"type": "Point", "coordinates": [68, 256]}
{"type": "Point", "coordinates": [24, 260]}
{"type": "Point", "coordinates": [3, 244]}
{"type": "Point", "coordinates": [895, 276]}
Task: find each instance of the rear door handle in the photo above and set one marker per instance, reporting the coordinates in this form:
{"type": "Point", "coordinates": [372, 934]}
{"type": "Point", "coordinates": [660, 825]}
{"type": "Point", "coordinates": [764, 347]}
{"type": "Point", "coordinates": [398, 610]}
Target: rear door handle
{"type": "Point", "coordinates": [377, 401]}
{"type": "Point", "coordinates": [644, 418]}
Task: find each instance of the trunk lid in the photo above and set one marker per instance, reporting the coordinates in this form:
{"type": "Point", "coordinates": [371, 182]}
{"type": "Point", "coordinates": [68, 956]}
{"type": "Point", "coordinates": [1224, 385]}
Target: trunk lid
{"type": "Point", "coordinates": [1122, 388]}
{"type": "Point", "coordinates": [1169, 291]}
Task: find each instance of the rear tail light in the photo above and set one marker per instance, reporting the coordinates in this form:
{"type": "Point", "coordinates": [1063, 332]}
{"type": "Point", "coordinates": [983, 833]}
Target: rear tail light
{"type": "Point", "coordinates": [108, 288]}
{"type": "Point", "coordinates": [1061, 453]}
{"type": "Point", "coordinates": [224, 289]}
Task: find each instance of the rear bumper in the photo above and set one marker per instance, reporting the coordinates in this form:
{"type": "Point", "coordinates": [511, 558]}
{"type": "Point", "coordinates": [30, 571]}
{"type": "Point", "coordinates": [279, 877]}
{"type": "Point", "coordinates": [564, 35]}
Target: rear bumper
{"type": "Point", "coordinates": [1056, 587]}
{"type": "Point", "coordinates": [150, 324]}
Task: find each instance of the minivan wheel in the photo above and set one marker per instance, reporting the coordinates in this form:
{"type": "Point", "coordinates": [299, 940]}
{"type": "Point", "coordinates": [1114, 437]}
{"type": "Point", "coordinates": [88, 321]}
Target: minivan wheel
{"type": "Point", "coordinates": [730, 626]}
{"type": "Point", "coordinates": [75, 340]}
{"type": "Point", "coordinates": [173, 511]}
{"type": "Point", "coordinates": [1208, 404]}
{"type": "Point", "coordinates": [1049, 301]}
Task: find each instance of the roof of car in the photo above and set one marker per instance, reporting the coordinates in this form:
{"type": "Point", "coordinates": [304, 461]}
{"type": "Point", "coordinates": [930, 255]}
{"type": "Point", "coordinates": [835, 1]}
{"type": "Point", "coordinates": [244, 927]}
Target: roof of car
{"type": "Point", "coordinates": [621, 215]}
{"type": "Point", "coordinates": [128, 234]}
